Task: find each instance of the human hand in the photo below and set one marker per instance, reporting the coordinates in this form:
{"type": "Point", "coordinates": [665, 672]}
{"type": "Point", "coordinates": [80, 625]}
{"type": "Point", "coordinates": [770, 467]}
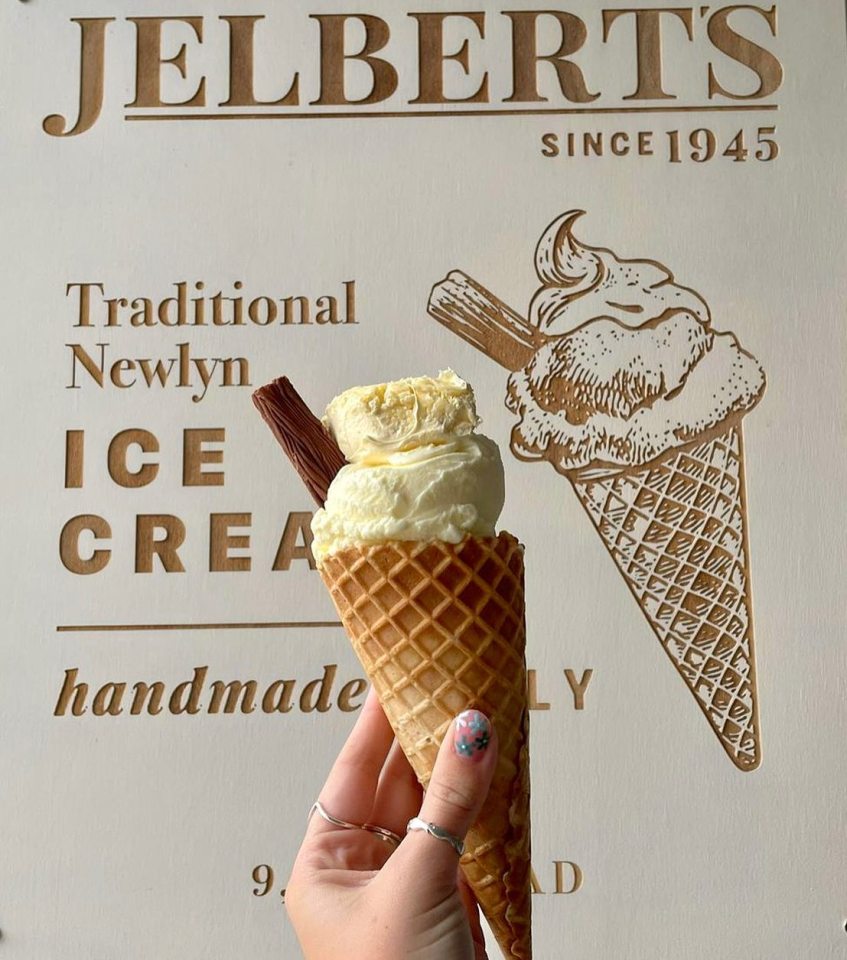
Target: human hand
{"type": "Point", "coordinates": [354, 896]}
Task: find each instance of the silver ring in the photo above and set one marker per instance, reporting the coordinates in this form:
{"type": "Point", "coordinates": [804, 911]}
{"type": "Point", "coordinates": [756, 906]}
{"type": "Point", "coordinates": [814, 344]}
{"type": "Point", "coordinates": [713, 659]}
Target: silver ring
{"type": "Point", "coordinates": [387, 835]}
{"type": "Point", "coordinates": [438, 832]}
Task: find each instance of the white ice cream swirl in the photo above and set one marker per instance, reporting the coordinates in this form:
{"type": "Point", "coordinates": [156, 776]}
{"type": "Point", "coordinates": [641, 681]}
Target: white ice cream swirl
{"type": "Point", "coordinates": [631, 368]}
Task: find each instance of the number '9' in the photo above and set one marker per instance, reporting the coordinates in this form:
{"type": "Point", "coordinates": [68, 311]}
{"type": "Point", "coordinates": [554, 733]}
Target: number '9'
{"type": "Point", "coordinates": [264, 876]}
{"type": "Point", "coordinates": [703, 142]}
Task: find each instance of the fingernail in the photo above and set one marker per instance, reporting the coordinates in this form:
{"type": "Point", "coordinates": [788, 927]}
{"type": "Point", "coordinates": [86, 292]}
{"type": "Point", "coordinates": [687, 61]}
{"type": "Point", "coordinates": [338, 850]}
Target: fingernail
{"type": "Point", "coordinates": [471, 735]}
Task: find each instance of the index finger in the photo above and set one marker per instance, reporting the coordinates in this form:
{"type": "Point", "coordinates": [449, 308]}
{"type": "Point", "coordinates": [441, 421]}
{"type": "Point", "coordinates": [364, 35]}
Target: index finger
{"type": "Point", "coordinates": [350, 788]}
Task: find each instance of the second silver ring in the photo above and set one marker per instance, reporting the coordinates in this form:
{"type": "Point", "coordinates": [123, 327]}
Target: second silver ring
{"type": "Point", "coordinates": [438, 832]}
{"type": "Point", "coordinates": [382, 832]}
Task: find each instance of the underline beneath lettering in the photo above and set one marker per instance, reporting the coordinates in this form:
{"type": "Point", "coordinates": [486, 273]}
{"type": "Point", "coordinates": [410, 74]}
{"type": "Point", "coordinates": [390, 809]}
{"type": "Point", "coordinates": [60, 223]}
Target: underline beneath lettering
{"type": "Point", "coordinates": [149, 627]}
{"type": "Point", "coordinates": [408, 114]}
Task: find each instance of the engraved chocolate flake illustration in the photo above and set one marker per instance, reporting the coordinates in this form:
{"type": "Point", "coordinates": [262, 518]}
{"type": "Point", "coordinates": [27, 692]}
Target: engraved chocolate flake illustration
{"type": "Point", "coordinates": [619, 381]}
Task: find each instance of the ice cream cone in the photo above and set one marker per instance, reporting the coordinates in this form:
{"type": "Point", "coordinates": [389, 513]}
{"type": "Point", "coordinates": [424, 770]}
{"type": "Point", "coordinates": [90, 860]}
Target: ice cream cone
{"type": "Point", "coordinates": [439, 628]}
{"type": "Point", "coordinates": [676, 531]}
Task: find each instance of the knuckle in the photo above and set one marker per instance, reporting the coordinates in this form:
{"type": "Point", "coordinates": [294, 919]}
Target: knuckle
{"type": "Point", "coordinates": [356, 763]}
{"type": "Point", "coordinates": [453, 795]}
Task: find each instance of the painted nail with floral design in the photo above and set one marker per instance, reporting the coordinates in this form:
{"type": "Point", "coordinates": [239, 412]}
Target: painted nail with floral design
{"type": "Point", "coordinates": [471, 735]}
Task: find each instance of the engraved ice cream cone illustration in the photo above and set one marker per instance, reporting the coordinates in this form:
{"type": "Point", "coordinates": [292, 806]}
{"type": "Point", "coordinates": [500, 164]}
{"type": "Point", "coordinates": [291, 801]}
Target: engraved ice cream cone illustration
{"type": "Point", "coordinates": [619, 381]}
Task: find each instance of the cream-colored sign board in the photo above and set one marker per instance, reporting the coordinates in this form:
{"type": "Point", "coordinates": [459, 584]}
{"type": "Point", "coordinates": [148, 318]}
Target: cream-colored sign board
{"type": "Point", "coordinates": [624, 226]}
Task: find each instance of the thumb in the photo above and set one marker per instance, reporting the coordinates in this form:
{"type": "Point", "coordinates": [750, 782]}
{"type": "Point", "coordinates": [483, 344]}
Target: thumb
{"type": "Point", "coordinates": [455, 795]}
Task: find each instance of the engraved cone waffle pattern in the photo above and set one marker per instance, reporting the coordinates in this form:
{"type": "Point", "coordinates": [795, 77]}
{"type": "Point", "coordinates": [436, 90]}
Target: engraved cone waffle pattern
{"type": "Point", "coordinates": [676, 532]}
{"type": "Point", "coordinates": [439, 628]}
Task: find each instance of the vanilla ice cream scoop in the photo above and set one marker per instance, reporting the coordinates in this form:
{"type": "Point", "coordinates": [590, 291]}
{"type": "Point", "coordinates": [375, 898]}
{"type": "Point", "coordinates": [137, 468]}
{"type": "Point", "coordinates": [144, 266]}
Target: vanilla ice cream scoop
{"type": "Point", "coordinates": [369, 422]}
{"type": "Point", "coordinates": [417, 469]}
{"type": "Point", "coordinates": [629, 367]}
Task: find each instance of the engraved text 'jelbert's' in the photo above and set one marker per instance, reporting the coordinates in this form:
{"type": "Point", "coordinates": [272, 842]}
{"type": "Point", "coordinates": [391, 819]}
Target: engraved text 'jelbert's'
{"type": "Point", "coordinates": [518, 59]}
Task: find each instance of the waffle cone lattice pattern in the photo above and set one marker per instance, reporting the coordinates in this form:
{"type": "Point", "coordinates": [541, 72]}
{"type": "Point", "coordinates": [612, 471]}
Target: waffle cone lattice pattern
{"type": "Point", "coordinates": [439, 628]}
{"type": "Point", "coordinates": [676, 530]}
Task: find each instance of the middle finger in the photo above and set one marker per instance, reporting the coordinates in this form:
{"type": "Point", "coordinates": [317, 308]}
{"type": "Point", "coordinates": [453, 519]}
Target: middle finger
{"type": "Point", "coordinates": [398, 795]}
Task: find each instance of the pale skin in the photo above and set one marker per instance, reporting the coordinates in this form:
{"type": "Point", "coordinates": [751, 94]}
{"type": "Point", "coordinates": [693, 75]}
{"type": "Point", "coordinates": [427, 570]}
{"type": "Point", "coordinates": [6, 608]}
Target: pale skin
{"type": "Point", "coordinates": [351, 895]}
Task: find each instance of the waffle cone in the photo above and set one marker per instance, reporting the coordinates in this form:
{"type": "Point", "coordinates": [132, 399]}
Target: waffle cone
{"type": "Point", "coordinates": [439, 628]}
{"type": "Point", "coordinates": [676, 530]}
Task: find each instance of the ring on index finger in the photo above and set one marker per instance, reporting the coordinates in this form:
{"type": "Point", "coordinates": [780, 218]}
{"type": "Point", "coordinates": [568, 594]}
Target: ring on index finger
{"type": "Point", "coordinates": [384, 834]}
